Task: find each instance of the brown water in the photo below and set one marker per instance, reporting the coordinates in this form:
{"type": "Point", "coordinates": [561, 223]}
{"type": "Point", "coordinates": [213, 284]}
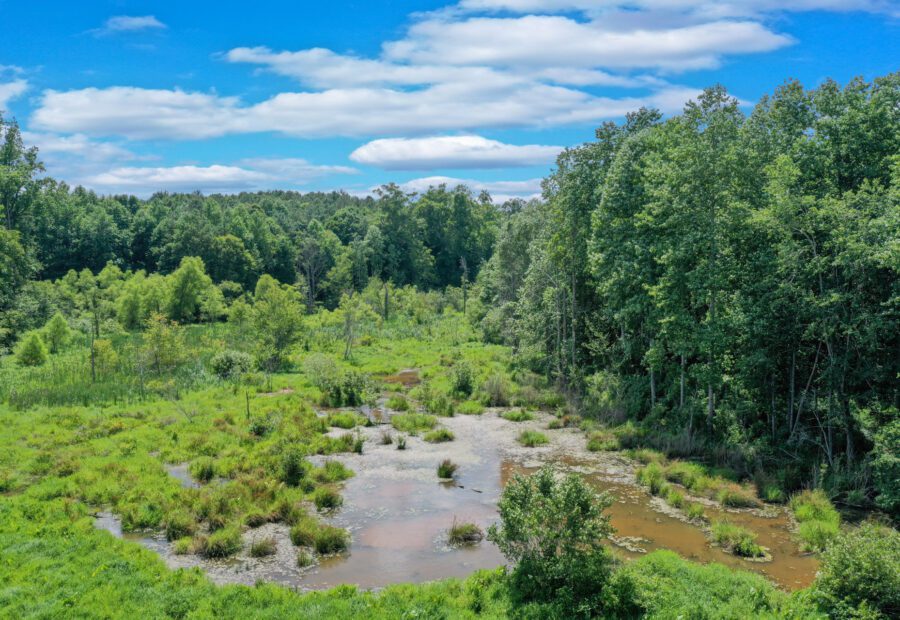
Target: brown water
{"type": "Point", "coordinates": [398, 513]}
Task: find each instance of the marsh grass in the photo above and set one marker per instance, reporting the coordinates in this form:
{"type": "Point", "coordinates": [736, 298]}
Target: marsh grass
{"type": "Point", "coordinates": [517, 415]}
{"type": "Point", "coordinates": [819, 521]}
{"type": "Point", "coordinates": [736, 539]}
{"type": "Point", "coordinates": [461, 533]}
{"type": "Point", "coordinates": [531, 438]}
{"type": "Point", "coordinates": [413, 422]}
{"type": "Point", "coordinates": [447, 469]}
{"type": "Point", "coordinates": [439, 435]}
{"type": "Point", "coordinates": [263, 547]}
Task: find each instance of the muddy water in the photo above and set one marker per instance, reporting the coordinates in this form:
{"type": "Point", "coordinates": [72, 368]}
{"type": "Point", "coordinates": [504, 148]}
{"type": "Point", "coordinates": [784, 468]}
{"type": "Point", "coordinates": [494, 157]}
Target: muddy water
{"type": "Point", "coordinates": [398, 513]}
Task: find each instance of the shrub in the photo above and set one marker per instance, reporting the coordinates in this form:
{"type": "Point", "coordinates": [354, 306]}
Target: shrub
{"type": "Point", "coordinates": [517, 415]}
{"type": "Point", "coordinates": [464, 533]}
{"type": "Point", "coordinates": [772, 494]}
{"type": "Point", "coordinates": [733, 498]}
{"type": "Point", "coordinates": [819, 521]}
{"type": "Point", "coordinates": [462, 378]}
{"type": "Point", "coordinates": [447, 469]}
{"type": "Point", "coordinates": [551, 531]}
{"type": "Point", "coordinates": [398, 403]}
{"type": "Point", "coordinates": [497, 390]}
{"type": "Point", "coordinates": [599, 441]}
{"type": "Point", "coordinates": [230, 364]}
{"type": "Point", "coordinates": [31, 351]}
{"type": "Point", "coordinates": [531, 439]}
{"type": "Point", "coordinates": [438, 435]}
{"type": "Point", "coordinates": [470, 407]}
{"type": "Point", "coordinates": [57, 333]}
{"type": "Point", "coordinates": [221, 543]}
{"type": "Point", "coordinates": [412, 422]}
{"type": "Point", "coordinates": [263, 547]}
{"type": "Point", "coordinates": [293, 467]}
{"type": "Point", "coordinates": [330, 539]}
{"type": "Point", "coordinates": [736, 539]}
{"type": "Point", "coordinates": [860, 574]}
{"type": "Point", "coordinates": [326, 498]}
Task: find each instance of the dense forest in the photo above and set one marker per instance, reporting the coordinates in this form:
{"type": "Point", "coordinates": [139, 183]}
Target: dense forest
{"type": "Point", "coordinates": [720, 288]}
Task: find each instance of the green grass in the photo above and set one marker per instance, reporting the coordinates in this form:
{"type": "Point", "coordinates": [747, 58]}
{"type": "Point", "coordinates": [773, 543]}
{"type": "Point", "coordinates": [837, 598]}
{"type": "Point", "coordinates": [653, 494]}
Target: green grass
{"type": "Point", "coordinates": [470, 407]}
{"type": "Point", "coordinates": [438, 435]}
{"type": "Point", "coordinates": [736, 539]}
{"type": "Point", "coordinates": [327, 499]}
{"type": "Point", "coordinates": [413, 422]}
{"type": "Point", "coordinates": [344, 419]}
{"type": "Point", "coordinates": [735, 498]}
{"type": "Point", "coordinates": [517, 415]}
{"type": "Point", "coordinates": [263, 547]}
{"type": "Point", "coordinates": [601, 441]}
{"type": "Point", "coordinates": [446, 469]}
{"type": "Point", "coordinates": [398, 402]}
{"type": "Point", "coordinates": [819, 522]}
{"type": "Point", "coordinates": [464, 534]}
{"type": "Point", "coordinates": [531, 439]}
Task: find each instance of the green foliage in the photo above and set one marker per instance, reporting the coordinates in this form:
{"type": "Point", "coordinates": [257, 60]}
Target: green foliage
{"type": "Point", "coordinates": [733, 498]}
{"type": "Point", "coordinates": [517, 415]}
{"type": "Point", "coordinates": [818, 519]}
{"type": "Point", "coordinates": [344, 419]}
{"type": "Point", "coordinates": [277, 321]}
{"type": "Point", "coordinates": [860, 574]}
{"type": "Point", "coordinates": [230, 364]}
{"type": "Point", "coordinates": [736, 539]}
{"type": "Point", "coordinates": [462, 378]}
{"type": "Point", "coordinates": [531, 438]}
{"type": "Point", "coordinates": [398, 402]}
{"type": "Point", "coordinates": [263, 547]}
{"type": "Point", "coordinates": [220, 544]}
{"type": "Point", "coordinates": [447, 469]}
{"type": "Point", "coordinates": [464, 534]}
{"type": "Point", "coordinates": [293, 467]}
{"type": "Point", "coordinates": [886, 466]}
{"type": "Point", "coordinates": [438, 435]}
{"type": "Point", "coordinates": [496, 388]}
{"type": "Point", "coordinates": [57, 333]}
{"type": "Point", "coordinates": [551, 531]}
{"type": "Point", "coordinates": [602, 441]}
{"type": "Point", "coordinates": [32, 351]}
{"type": "Point", "coordinates": [413, 422]}
{"type": "Point", "coordinates": [330, 540]}
{"type": "Point", "coordinates": [470, 407]}
{"type": "Point", "coordinates": [327, 499]}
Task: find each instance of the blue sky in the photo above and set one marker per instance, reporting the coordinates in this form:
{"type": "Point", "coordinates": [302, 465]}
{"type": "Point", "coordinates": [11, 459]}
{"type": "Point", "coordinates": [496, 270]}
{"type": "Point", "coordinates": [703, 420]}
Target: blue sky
{"type": "Point", "coordinates": [227, 96]}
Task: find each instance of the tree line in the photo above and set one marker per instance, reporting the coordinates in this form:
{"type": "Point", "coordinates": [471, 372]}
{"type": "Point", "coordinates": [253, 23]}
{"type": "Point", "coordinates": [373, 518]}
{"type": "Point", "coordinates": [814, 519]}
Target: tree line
{"type": "Point", "coordinates": [729, 281]}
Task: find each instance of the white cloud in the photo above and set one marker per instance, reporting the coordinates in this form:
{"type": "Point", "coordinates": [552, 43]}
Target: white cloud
{"type": "Point", "coordinates": [500, 191]}
{"type": "Point", "coordinates": [552, 41]}
{"type": "Point", "coordinates": [451, 152]}
{"type": "Point", "coordinates": [246, 175]}
{"type": "Point", "coordinates": [137, 113]}
{"type": "Point", "coordinates": [130, 23]}
{"type": "Point", "coordinates": [11, 90]}
{"type": "Point", "coordinates": [79, 146]}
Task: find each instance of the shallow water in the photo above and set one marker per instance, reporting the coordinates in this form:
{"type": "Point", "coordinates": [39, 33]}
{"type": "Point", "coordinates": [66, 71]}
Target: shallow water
{"type": "Point", "coordinates": [398, 513]}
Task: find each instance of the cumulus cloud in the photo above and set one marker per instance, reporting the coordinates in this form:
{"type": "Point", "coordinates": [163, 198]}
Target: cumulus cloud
{"type": "Point", "coordinates": [78, 146]}
{"type": "Point", "coordinates": [137, 113]}
{"type": "Point", "coordinates": [451, 152]}
{"type": "Point", "coordinates": [130, 23]}
{"type": "Point", "coordinates": [11, 90]}
{"type": "Point", "coordinates": [246, 175]}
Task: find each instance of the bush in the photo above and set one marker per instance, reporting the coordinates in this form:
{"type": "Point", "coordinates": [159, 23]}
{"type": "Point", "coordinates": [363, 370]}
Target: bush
{"type": "Point", "coordinates": [293, 467]}
{"type": "Point", "coordinates": [230, 364]}
{"type": "Point", "coordinates": [736, 539]}
{"type": "Point", "coordinates": [438, 435]}
{"type": "Point", "coordinates": [464, 534]}
{"type": "Point", "coordinates": [327, 499]}
{"type": "Point", "coordinates": [462, 378]}
{"type": "Point", "coordinates": [551, 531]}
{"type": "Point", "coordinates": [860, 574]}
{"type": "Point", "coordinates": [819, 521]}
{"type": "Point", "coordinates": [32, 351]}
{"type": "Point", "coordinates": [531, 439]}
{"type": "Point", "coordinates": [470, 407]}
{"type": "Point", "coordinates": [517, 415]}
{"type": "Point", "coordinates": [330, 539]}
{"type": "Point", "coordinates": [497, 390]}
{"type": "Point", "coordinates": [262, 548]}
{"type": "Point", "coordinates": [412, 422]}
{"type": "Point", "coordinates": [447, 469]}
